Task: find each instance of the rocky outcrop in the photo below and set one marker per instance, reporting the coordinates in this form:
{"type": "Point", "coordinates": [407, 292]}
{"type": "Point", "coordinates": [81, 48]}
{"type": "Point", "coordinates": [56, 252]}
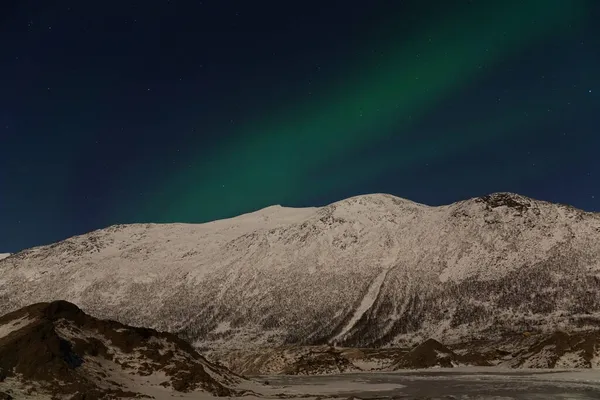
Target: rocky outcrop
{"type": "Point", "coordinates": [428, 354]}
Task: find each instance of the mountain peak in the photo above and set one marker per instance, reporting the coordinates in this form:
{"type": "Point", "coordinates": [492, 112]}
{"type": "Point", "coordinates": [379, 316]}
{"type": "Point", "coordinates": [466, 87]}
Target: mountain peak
{"type": "Point", "coordinates": [55, 310]}
{"type": "Point", "coordinates": [507, 199]}
{"type": "Point", "coordinates": [48, 311]}
{"type": "Point", "coordinates": [375, 201]}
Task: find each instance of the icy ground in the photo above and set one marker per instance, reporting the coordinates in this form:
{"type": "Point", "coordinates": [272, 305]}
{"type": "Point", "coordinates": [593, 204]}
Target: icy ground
{"type": "Point", "coordinates": [441, 384]}
{"type": "Point", "coordinates": [456, 383]}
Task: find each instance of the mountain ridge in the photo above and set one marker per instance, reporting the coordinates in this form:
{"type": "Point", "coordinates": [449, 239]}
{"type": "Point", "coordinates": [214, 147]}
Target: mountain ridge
{"type": "Point", "coordinates": [370, 270]}
{"type": "Point", "coordinates": [281, 207]}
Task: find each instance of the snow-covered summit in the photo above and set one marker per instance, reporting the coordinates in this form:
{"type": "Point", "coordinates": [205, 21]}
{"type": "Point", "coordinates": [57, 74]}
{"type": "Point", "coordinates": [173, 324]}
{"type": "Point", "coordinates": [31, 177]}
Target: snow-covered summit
{"type": "Point", "coordinates": [368, 270]}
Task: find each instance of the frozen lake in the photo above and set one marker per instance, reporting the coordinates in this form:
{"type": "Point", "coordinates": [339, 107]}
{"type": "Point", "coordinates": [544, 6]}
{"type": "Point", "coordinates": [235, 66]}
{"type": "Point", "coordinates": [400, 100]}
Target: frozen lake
{"type": "Point", "coordinates": [467, 383]}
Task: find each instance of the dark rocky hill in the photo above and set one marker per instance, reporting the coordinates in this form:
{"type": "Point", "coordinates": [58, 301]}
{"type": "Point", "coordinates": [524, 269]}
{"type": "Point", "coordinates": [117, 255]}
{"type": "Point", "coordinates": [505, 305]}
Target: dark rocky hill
{"type": "Point", "coordinates": [57, 349]}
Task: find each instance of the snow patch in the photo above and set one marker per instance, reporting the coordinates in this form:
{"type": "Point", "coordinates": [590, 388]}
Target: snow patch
{"type": "Point", "coordinates": [571, 360]}
{"type": "Point", "coordinates": [595, 361]}
{"type": "Point", "coordinates": [366, 303]}
{"type": "Point", "coordinates": [14, 326]}
{"type": "Point", "coordinates": [223, 327]}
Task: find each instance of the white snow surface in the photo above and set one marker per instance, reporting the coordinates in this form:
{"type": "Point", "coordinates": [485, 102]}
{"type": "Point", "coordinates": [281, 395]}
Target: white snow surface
{"type": "Point", "coordinates": [13, 326]}
{"type": "Point", "coordinates": [368, 269]}
{"type": "Point", "coordinates": [4, 255]}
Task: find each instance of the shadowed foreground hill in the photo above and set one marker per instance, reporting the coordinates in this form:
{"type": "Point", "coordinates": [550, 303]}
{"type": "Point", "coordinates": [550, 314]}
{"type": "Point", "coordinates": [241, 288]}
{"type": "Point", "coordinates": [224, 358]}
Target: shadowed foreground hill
{"type": "Point", "coordinates": [367, 271]}
{"type": "Point", "coordinates": [55, 348]}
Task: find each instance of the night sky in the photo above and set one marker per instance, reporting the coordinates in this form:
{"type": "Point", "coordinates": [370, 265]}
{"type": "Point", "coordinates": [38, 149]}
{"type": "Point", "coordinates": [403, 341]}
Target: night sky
{"type": "Point", "coordinates": [184, 110]}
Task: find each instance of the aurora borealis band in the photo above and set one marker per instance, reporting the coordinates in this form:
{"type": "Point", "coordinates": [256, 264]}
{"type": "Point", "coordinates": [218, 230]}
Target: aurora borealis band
{"type": "Point", "coordinates": [169, 111]}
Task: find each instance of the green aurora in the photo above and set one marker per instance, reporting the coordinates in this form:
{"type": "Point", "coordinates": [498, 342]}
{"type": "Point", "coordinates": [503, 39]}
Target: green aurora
{"type": "Point", "coordinates": [275, 158]}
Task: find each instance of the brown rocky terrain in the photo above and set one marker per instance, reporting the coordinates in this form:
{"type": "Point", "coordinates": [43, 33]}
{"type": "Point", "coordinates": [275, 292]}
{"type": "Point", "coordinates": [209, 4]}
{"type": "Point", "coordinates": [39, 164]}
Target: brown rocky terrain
{"type": "Point", "coordinates": [430, 353]}
{"type": "Point", "coordinates": [538, 350]}
{"type": "Point", "coordinates": [305, 360]}
{"type": "Point", "coordinates": [320, 362]}
{"type": "Point", "coordinates": [525, 350]}
{"type": "Point", "coordinates": [55, 348]}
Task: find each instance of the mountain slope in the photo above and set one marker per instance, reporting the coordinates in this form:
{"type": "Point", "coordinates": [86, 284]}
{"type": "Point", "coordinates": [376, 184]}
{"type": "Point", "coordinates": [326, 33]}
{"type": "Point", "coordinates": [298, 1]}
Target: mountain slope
{"type": "Point", "coordinates": [56, 348]}
{"type": "Point", "coordinates": [366, 271]}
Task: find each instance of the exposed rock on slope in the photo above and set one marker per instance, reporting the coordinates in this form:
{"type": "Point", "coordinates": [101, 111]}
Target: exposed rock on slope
{"type": "Point", "coordinates": [329, 361]}
{"type": "Point", "coordinates": [430, 353]}
{"type": "Point", "coordinates": [558, 350]}
{"type": "Point", "coordinates": [367, 271]}
{"type": "Point", "coordinates": [528, 350]}
{"type": "Point", "coordinates": [56, 348]}
{"type": "Point", "coordinates": [309, 360]}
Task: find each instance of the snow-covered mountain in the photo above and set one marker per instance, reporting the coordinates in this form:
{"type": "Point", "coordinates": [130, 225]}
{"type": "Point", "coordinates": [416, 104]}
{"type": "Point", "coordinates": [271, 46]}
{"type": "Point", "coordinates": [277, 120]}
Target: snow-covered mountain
{"type": "Point", "coordinates": [366, 271]}
{"type": "Point", "coordinates": [4, 255]}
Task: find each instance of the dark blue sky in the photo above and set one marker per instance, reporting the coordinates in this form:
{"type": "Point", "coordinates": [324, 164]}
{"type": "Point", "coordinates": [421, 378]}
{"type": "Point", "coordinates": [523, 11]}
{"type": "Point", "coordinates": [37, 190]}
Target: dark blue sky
{"type": "Point", "coordinates": [135, 111]}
